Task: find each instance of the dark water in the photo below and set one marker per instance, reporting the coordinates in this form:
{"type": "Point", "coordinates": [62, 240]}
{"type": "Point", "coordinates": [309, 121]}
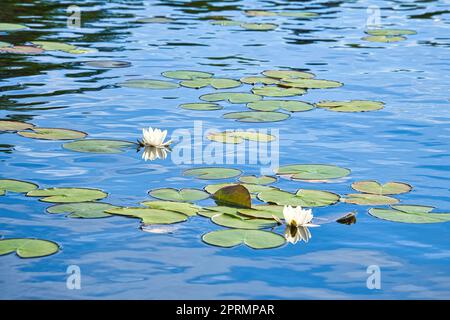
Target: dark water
{"type": "Point", "coordinates": [409, 141]}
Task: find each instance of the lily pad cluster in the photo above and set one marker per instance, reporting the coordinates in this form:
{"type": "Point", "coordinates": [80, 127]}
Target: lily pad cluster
{"type": "Point", "coordinates": [386, 35]}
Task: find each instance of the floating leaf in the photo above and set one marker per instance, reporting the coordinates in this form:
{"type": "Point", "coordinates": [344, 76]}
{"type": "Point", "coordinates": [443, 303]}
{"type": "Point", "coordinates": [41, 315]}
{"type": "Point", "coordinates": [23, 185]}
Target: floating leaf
{"type": "Point", "coordinates": [239, 136]}
{"type": "Point", "coordinates": [21, 50]}
{"type": "Point", "coordinates": [155, 20]}
{"type": "Point", "coordinates": [313, 171]}
{"type": "Point", "coordinates": [83, 210]}
{"type": "Point", "coordinates": [12, 27]}
{"type": "Point", "coordinates": [256, 116]}
{"type": "Point", "coordinates": [259, 80]}
{"type": "Point", "coordinates": [366, 199]}
{"type": "Point", "coordinates": [271, 91]}
{"type": "Point", "coordinates": [303, 197]}
{"type": "Point", "coordinates": [11, 185]}
{"type": "Point", "coordinates": [201, 106]}
{"type": "Point", "coordinates": [150, 216]}
{"type": "Point", "coordinates": [385, 39]}
{"type": "Point", "coordinates": [256, 239]}
{"type": "Point", "coordinates": [298, 14]}
{"type": "Point", "coordinates": [52, 134]}
{"type": "Point", "coordinates": [10, 125]}
{"type": "Point", "coordinates": [231, 97]}
{"type": "Point", "coordinates": [241, 222]}
{"type": "Point", "coordinates": [99, 146]}
{"type": "Point", "coordinates": [262, 180]}
{"type": "Point", "coordinates": [28, 248]}
{"type": "Point", "coordinates": [65, 195]}
{"type": "Point", "coordinates": [310, 83]}
{"type": "Point", "coordinates": [212, 173]}
{"type": "Point", "coordinates": [108, 64]}
{"type": "Point", "coordinates": [260, 13]}
{"type": "Point", "coordinates": [211, 211]}
{"type": "Point", "coordinates": [5, 44]}
{"type": "Point", "coordinates": [263, 212]}
{"type": "Point", "coordinates": [188, 209]}
{"type": "Point", "coordinates": [252, 188]}
{"type": "Point", "coordinates": [226, 23]}
{"type": "Point", "coordinates": [274, 105]}
{"type": "Point", "coordinates": [288, 74]}
{"type": "Point", "coordinates": [351, 106]}
{"type": "Point", "coordinates": [186, 74]}
{"type": "Point", "coordinates": [374, 187]}
{"type": "Point", "coordinates": [149, 84]}
{"type": "Point", "coordinates": [259, 26]}
{"type": "Point", "coordinates": [390, 32]}
{"type": "Point", "coordinates": [410, 214]}
{"type": "Point", "coordinates": [54, 46]}
{"type": "Point", "coordinates": [182, 195]}
{"type": "Point", "coordinates": [235, 196]}
{"type": "Point", "coordinates": [216, 83]}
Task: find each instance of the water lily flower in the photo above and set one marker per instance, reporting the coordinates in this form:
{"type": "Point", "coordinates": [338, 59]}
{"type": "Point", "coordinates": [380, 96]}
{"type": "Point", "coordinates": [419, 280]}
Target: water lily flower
{"type": "Point", "coordinates": [294, 234]}
{"type": "Point", "coordinates": [153, 153]}
{"type": "Point", "coordinates": [154, 138]}
{"type": "Point", "coordinates": [298, 217]}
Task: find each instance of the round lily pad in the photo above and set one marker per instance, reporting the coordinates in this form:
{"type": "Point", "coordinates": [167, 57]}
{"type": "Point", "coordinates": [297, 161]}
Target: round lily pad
{"type": "Point", "coordinates": [65, 195]}
{"type": "Point", "coordinates": [201, 106]}
{"type": "Point", "coordinates": [375, 187]}
{"type": "Point", "coordinates": [149, 84]}
{"type": "Point", "coordinates": [99, 146]}
{"type": "Point", "coordinates": [262, 180]}
{"type": "Point", "coordinates": [286, 105]}
{"type": "Point", "coordinates": [255, 239]}
{"type": "Point", "coordinates": [298, 14]}
{"type": "Point", "coordinates": [259, 26]}
{"type": "Point", "coordinates": [11, 125]}
{"type": "Point", "coordinates": [303, 197]}
{"type": "Point", "coordinates": [150, 216]}
{"type": "Point", "coordinates": [108, 64]}
{"type": "Point", "coordinates": [390, 32]}
{"type": "Point", "coordinates": [351, 106]}
{"type": "Point", "coordinates": [52, 134]}
{"type": "Point", "coordinates": [410, 214]}
{"type": "Point", "coordinates": [11, 185]}
{"type": "Point", "coordinates": [385, 39]}
{"type": "Point", "coordinates": [241, 222]}
{"type": "Point", "coordinates": [216, 83]}
{"type": "Point", "coordinates": [212, 173]}
{"type": "Point", "coordinates": [188, 209]}
{"type": "Point", "coordinates": [263, 212]}
{"type": "Point", "coordinates": [28, 248]}
{"type": "Point", "coordinates": [22, 50]}
{"type": "Point", "coordinates": [231, 97]}
{"type": "Point", "coordinates": [311, 83]}
{"type": "Point", "coordinates": [226, 23]}
{"type": "Point", "coordinates": [239, 136]}
{"type": "Point", "coordinates": [288, 74]}
{"type": "Point", "coordinates": [259, 80]}
{"type": "Point", "coordinates": [256, 116]}
{"type": "Point", "coordinates": [82, 210]}
{"type": "Point", "coordinates": [54, 46]}
{"type": "Point", "coordinates": [260, 13]}
{"type": "Point", "coordinates": [186, 74]}
{"type": "Point", "coordinates": [182, 195]}
{"type": "Point", "coordinates": [12, 27]}
{"type": "Point", "coordinates": [313, 171]}
{"type": "Point", "coordinates": [272, 91]}
{"type": "Point", "coordinates": [209, 212]}
{"type": "Point", "coordinates": [366, 199]}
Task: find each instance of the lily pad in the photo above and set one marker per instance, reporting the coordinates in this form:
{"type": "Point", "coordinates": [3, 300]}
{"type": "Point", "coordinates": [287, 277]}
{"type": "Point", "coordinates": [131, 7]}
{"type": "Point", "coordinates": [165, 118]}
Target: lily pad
{"type": "Point", "coordinates": [259, 80]}
{"type": "Point", "coordinates": [11, 185]}
{"type": "Point", "coordinates": [99, 146]}
{"type": "Point", "coordinates": [12, 27]}
{"type": "Point", "coordinates": [303, 197]}
{"type": "Point", "coordinates": [256, 116]}
{"type": "Point", "coordinates": [52, 134]}
{"type": "Point", "coordinates": [259, 26]}
{"type": "Point", "coordinates": [188, 209]}
{"type": "Point", "coordinates": [311, 83]}
{"type": "Point", "coordinates": [255, 239]}
{"type": "Point", "coordinates": [288, 74]}
{"type": "Point", "coordinates": [410, 214]}
{"type": "Point", "coordinates": [150, 216]}
{"type": "Point", "coordinates": [313, 171]}
{"type": "Point", "coordinates": [82, 210]}
{"type": "Point", "coordinates": [55, 46]}
{"type": "Point", "coordinates": [262, 180]}
{"type": "Point", "coordinates": [367, 199]}
{"type": "Point", "coordinates": [149, 84]}
{"type": "Point", "coordinates": [186, 74]}
{"type": "Point", "coordinates": [271, 91]}
{"type": "Point", "coordinates": [390, 32]}
{"type": "Point", "coordinates": [66, 195]}
{"type": "Point", "coordinates": [216, 83]}
{"type": "Point", "coordinates": [241, 222]}
{"type": "Point", "coordinates": [385, 39]}
{"type": "Point", "coordinates": [108, 64]}
{"type": "Point", "coordinates": [11, 125]}
{"type": "Point", "coordinates": [351, 106]}
{"type": "Point", "coordinates": [298, 14]}
{"type": "Point", "coordinates": [231, 97]}
{"type": "Point", "coordinates": [201, 106]}
{"type": "Point", "coordinates": [212, 173]}
{"type": "Point", "coordinates": [286, 105]}
{"type": "Point", "coordinates": [235, 196]}
{"type": "Point", "coordinates": [252, 188]}
{"type": "Point", "coordinates": [226, 23]}
{"type": "Point", "coordinates": [211, 211]}
{"type": "Point", "coordinates": [182, 195]}
{"type": "Point", "coordinates": [375, 187]}
{"type": "Point", "coordinates": [28, 248]}
{"type": "Point", "coordinates": [239, 136]}
{"type": "Point", "coordinates": [260, 13]}
{"type": "Point", "coordinates": [155, 20]}
{"type": "Point", "coordinates": [263, 212]}
{"type": "Point", "coordinates": [21, 50]}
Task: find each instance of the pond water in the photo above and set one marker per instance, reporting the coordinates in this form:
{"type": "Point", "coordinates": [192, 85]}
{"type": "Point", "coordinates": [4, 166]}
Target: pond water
{"type": "Point", "coordinates": [407, 141]}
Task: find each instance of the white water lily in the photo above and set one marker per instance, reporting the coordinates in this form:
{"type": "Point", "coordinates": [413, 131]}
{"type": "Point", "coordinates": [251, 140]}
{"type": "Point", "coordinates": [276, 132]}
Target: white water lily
{"type": "Point", "coordinates": [154, 138]}
{"type": "Point", "coordinates": [294, 234]}
{"type": "Point", "coordinates": [298, 217]}
{"type": "Point", "coordinates": [153, 153]}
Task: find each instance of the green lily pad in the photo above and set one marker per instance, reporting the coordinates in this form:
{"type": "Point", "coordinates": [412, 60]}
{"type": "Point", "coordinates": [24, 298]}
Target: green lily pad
{"type": "Point", "coordinates": [108, 64]}
{"type": "Point", "coordinates": [375, 187]}
{"type": "Point", "coordinates": [82, 210]}
{"type": "Point", "coordinates": [259, 80]}
{"type": "Point", "coordinates": [259, 26]}
{"type": "Point", "coordinates": [262, 180]}
{"type": "Point", "coordinates": [54, 46]}
{"type": "Point", "coordinates": [298, 14]}
{"type": "Point", "coordinates": [274, 105]}
{"type": "Point", "coordinates": [65, 195]}
{"type": "Point", "coordinates": [271, 91]}
{"type": "Point", "coordinates": [99, 146]}
{"type": "Point", "coordinates": [288, 74]}
{"type": "Point", "coordinates": [11, 185]}
{"type": "Point", "coordinates": [231, 97]}
{"type": "Point", "coordinates": [311, 83]}
{"type": "Point", "coordinates": [351, 106]}
{"type": "Point", "coordinates": [212, 173]}
{"type": "Point", "coordinates": [260, 13]}
{"type": "Point", "coordinates": [239, 136]}
{"type": "Point", "coordinates": [226, 23]}
{"type": "Point", "coordinates": [255, 239]}
{"type": "Point", "coordinates": [186, 74]}
{"type": "Point", "coordinates": [252, 188]}
{"type": "Point", "coordinates": [11, 125]}
{"type": "Point", "coordinates": [410, 214]}
{"type": "Point", "coordinates": [216, 83]}
{"type": "Point", "coordinates": [367, 199]}
{"type": "Point", "coordinates": [263, 212]}
{"type": "Point", "coordinates": [209, 212]}
{"type": "Point", "coordinates": [188, 209]}
{"type": "Point", "coordinates": [150, 216]}
{"type": "Point", "coordinates": [313, 171]}
{"type": "Point", "coordinates": [241, 222]}
{"type": "Point", "coordinates": [234, 195]}
{"type": "Point", "coordinates": [384, 39]}
{"type": "Point", "coordinates": [149, 84]}
{"type": "Point", "coordinates": [12, 27]}
{"type": "Point", "coordinates": [390, 32]}
{"type": "Point", "coordinates": [303, 197]}
{"type": "Point", "coordinates": [256, 116]}
{"type": "Point", "coordinates": [28, 248]}
{"type": "Point", "coordinates": [182, 195]}
{"type": "Point", "coordinates": [201, 106]}
{"type": "Point", "coordinates": [22, 50]}
{"type": "Point", "coordinates": [155, 20]}
{"type": "Point", "coordinates": [52, 134]}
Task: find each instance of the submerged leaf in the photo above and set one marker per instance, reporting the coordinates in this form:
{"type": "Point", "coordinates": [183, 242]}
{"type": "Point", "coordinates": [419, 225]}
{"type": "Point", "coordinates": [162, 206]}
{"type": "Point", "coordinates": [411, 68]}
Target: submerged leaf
{"type": "Point", "coordinates": [256, 239]}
